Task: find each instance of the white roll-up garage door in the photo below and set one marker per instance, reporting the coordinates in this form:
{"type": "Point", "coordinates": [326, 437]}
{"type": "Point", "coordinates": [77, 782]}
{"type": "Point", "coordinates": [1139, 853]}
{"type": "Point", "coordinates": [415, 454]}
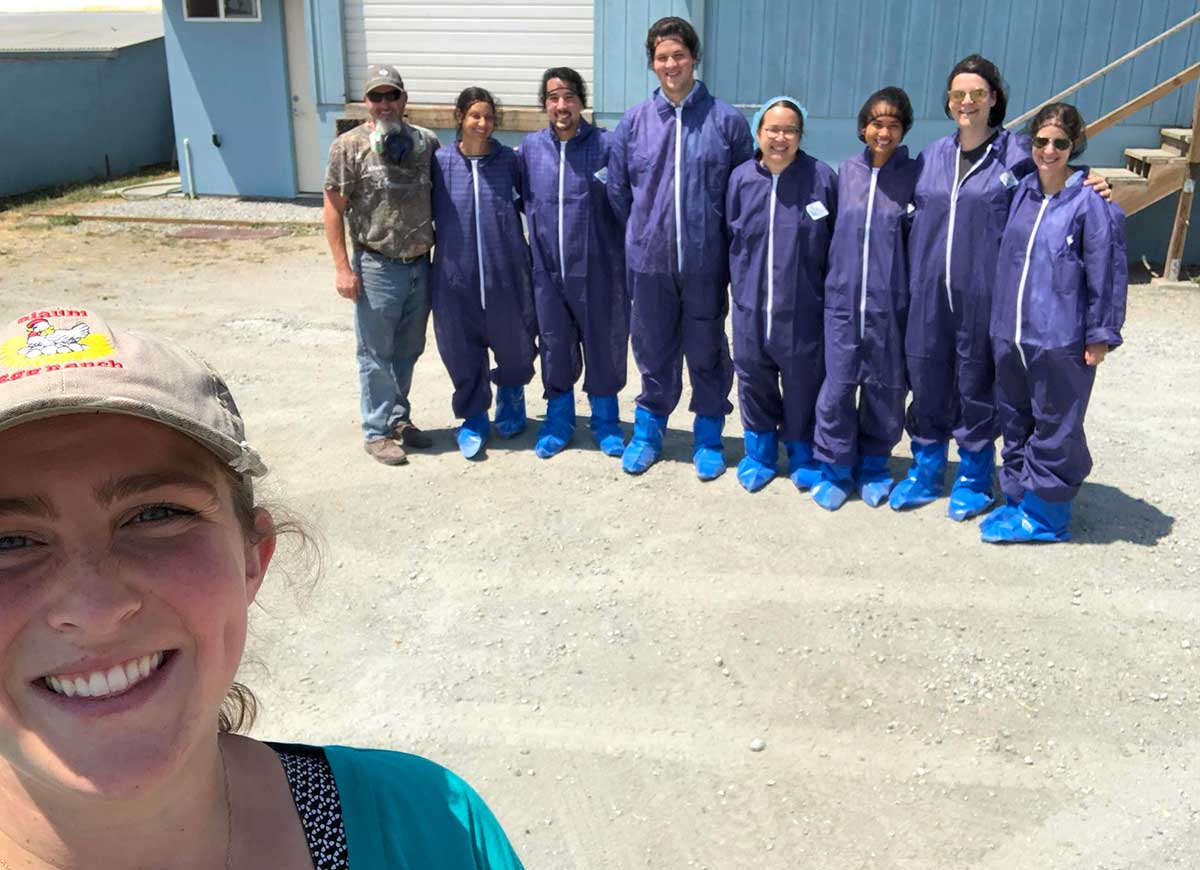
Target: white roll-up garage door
{"type": "Point", "coordinates": [442, 47]}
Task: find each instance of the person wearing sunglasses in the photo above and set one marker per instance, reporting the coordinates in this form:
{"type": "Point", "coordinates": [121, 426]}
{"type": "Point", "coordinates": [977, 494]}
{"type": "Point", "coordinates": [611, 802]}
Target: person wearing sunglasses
{"type": "Point", "coordinates": [780, 210]}
{"type": "Point", "coordinates": [482, 286]}
{"type": "Point", "coordinates": [860, 410]}
{"type": "Point", "coordinates": [378, 184]}
{"type": "Point", "coordinates": [670, 163]}
{"type": "Point", "coordinates": [578, 266]}
{"type": "Point", "coordinates": [132, 546]}
{"type": "Point", "coordinates": [961, 201]}
{"type": "Point", "coordinates": [1058, 309]}
{"type": "Point", "coordinates": [966, 184]}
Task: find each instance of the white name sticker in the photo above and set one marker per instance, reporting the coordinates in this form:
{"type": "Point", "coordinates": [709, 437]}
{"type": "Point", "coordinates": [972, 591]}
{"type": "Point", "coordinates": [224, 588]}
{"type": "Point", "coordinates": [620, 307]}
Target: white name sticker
{"type": "Point", "coordinates": [1070, 241]}
{"type": "Point", "coordinates": [601, 175]}
{"type": "Point", "coordinates": [1008, 179]}
{"type": "Point", "coordinates": [911, 208]}
{"type": "Point", "coordinates": [817, 210]}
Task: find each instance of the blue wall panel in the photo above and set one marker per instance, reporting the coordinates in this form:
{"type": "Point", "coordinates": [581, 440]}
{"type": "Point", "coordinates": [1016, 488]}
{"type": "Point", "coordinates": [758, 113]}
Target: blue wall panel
{"type": "Point", "coordinates": [120, 118]}
{"type": "Point", "coordinates": [229, 80]}
{"type": "Point", "coordinates": [831, 56]}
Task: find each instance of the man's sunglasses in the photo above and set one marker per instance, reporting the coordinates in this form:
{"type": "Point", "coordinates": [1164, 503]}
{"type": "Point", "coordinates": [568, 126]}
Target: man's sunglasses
{"type": "Point", "coordinates": [1059, 144]}
{"type": "Point", "coordinates": [388, 96]}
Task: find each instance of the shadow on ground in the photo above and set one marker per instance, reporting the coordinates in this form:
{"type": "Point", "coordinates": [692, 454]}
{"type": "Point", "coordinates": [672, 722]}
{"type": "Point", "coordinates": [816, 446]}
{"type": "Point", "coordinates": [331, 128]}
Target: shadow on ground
{"type": "Point", "coordinates": [1104, 515]}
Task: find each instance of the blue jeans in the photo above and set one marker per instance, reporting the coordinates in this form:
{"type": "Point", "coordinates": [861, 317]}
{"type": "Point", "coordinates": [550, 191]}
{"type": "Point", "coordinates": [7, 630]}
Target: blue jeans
{"type": "Point", "coordinates": [390, 319]}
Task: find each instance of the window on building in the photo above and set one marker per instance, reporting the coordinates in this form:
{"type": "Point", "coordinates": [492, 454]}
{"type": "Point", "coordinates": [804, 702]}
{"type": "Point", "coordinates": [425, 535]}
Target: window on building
{"type": "Point", "coordinates": [221, 10]}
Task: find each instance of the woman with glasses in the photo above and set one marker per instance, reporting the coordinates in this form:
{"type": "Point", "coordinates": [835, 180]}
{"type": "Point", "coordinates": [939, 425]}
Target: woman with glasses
{"type": "Point", "coordinates": [482, 287]}
{"type": "Point", "coordinates": [780, 209]}
{"type": "Point", "coordinates": [961, 201]}
{"type": "Point", "coordinates": [966, 183]}
{"type": "Point", "coordinates": [860, 410]}
{"type": "Point", "coordinates": [1057, 311]}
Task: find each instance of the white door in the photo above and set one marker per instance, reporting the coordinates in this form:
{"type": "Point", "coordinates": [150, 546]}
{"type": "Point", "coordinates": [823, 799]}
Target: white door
{"type": "Point", "coordinates": [310, 177]}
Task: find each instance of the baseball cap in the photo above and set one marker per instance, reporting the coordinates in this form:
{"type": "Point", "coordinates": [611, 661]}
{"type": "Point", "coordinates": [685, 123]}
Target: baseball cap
{"type": "Point", "coordinates": [383, 75]}
{"type": "Point", "coordinates": [57, 361]}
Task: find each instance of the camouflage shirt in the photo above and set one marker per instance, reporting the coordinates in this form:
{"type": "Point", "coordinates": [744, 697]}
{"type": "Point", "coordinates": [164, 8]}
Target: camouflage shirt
{"type": "Point", "coordinates": [388, 206]}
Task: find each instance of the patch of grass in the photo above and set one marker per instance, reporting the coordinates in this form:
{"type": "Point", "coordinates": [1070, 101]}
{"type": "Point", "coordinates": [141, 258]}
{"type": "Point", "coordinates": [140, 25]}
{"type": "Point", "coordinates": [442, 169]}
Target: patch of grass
{"type": "Point", "coordinates": [84, 191]}
{"type": "Point", "coordinates": [63, 220]}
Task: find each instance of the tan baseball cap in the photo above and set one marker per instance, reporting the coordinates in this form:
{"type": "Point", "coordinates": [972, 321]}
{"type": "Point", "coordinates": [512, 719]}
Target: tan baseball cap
{"type": "Point", "coordinates": [383, 75]}
{"type": "Point", "coordinates": [57, 361]}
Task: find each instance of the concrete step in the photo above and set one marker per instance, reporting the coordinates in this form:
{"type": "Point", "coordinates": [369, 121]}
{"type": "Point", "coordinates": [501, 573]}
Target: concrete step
{"type": "Point", "coordinates": [1177, 139]}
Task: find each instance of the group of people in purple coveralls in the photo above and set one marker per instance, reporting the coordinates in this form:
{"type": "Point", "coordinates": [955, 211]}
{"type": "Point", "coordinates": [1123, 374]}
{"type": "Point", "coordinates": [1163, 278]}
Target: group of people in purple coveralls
{"type": "Point", "coordinates": [986, 276]}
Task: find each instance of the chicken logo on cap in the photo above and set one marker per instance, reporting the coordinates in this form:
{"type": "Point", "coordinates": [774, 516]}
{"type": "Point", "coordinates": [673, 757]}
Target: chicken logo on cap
{"type": "Point", "coordinates": [45, 340]}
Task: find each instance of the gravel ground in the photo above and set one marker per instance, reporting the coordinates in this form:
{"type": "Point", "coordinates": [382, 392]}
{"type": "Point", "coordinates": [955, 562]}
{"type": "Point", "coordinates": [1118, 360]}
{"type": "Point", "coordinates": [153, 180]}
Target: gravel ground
{"type": "Point", "coordinates": [209, 208]}
{"type": "Point", "coordinates": [656, 673]}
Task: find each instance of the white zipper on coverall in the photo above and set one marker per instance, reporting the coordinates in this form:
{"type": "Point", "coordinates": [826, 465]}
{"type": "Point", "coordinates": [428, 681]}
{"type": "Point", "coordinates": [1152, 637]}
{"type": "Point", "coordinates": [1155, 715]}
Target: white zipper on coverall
{"type": "Point", "coordinates": [954, 208]}
{"type": "Point", "coordinates": [1024, 275]}
{"type": "Point", "coordinates": [678, 200]}
{"type": "Point", "coordinates": [771, 255]}
{"type": "Point", "coordinates": [478, 232]}
{"type": "Point", "coordinates": [862, 304]}
{"type": "Point", "coordinates": [562, 165]}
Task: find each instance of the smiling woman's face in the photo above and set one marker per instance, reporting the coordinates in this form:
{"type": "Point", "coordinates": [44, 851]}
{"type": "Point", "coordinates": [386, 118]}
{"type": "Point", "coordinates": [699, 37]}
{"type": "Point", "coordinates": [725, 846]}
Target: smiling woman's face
{"type": "Point", "coordinates": [124, 582]}
{"type": "Point", "coordinates": [978, 98]}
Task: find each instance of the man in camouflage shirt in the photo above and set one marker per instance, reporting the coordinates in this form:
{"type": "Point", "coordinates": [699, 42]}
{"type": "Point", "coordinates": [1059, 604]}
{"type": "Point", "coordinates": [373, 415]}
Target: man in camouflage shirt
{"type": "Point", "coordinates": [378, 182]}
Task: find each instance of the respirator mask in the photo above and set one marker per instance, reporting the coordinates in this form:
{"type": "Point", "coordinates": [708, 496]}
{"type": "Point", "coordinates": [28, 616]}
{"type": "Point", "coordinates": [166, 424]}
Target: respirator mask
{"type": "Point", "coordinates": [391, 141]}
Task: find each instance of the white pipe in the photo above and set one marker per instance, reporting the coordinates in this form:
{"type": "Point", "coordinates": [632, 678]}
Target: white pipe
{"type": "Point", "coordinates": [187, 162]}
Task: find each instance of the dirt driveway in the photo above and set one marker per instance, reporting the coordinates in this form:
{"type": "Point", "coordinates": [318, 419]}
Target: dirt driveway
{"type": "Point", "coordinates": [596, 653]}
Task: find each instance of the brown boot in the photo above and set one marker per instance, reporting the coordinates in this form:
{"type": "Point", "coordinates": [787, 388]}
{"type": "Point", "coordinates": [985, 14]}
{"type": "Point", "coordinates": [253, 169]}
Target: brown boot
{"type": "Point", "coordinates": [409, 435]}
{"type": "Point", "coordinates": [386, 450]}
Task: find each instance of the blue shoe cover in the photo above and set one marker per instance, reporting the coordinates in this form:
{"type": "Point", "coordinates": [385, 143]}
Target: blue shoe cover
{"type": "Point", "coordinates": [834, 487]}
{"type": "Point", "coordinates": [971, 494]}
{"type": "Point", "coordinates": [606, 425]}
{"type": "Point", "coordinates": [926, 478]}
{"type": "Point", "coordinates": [645, 446]}
{"type": "Point", "coordinates": [757, 467]}
{"type": "Point", "coordinates": [802, 468]}
{"type": "Point", "coordinates": [510, 411]}
{"type": "Point", "coordinates": [1034, 520]}
{"type": "Point", "coordinates": [708, 455]}
{"type": "Point", "coordinates": [874, 479]}
{"type": "Point", "coordinates": [1000, 515]}
{"type": "Point", "coordinates": [558, 427]}
{"type": "Point", "coordinates": [472, 435]}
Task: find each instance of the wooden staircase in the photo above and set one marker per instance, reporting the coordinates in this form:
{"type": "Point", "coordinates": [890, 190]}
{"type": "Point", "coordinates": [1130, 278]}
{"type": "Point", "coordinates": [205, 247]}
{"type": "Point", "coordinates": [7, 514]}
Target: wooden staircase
{"type": "Point", "coordinates": [1151, 174]}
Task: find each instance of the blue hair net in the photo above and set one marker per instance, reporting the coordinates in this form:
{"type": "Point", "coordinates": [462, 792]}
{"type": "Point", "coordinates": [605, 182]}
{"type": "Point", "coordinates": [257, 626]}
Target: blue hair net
{"type": "Point", "coordinates": [757, 120]}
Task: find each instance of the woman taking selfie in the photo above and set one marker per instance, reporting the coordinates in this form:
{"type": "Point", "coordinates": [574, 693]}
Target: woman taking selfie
{"type": "Point", "coordinates": [1058, 309]}
{"type": "Point", "coordinates": [481, 284]}
{"type": "Point", "coordinates": [130, 549]}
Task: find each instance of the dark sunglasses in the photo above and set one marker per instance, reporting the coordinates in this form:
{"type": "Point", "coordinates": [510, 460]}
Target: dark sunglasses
{"type": "Point", "coordinates": [384, 96]}
{"type": "Point", "coordinates": [1059, 144]}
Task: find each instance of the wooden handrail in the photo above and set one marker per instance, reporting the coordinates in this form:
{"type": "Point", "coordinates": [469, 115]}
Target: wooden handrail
{"type": "Point", "coordinates": [1191, 19]}
{"type": "Point", "coordinates": [1138, 103]}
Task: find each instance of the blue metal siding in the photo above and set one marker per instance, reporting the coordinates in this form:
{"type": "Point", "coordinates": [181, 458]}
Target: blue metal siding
{"type": "Point", "coordinates": [229, 79]}
{"type": "Point", "coordinates": [622, 78]}
{"type": "Point", "coordinates": [122, 114]}
{"type": "Point", "coordinates": [831, 56]}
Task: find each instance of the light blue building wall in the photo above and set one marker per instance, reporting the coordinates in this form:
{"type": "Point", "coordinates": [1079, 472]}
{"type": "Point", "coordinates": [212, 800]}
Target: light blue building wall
{"type": "Point", "coordinates": [230, 92]}
{"type": "Point", "coordinates": [120, 118]}
{"type": "Point", "coordinates": [231, 80]}
{"type": "Point", "coordinates": [831, 56]}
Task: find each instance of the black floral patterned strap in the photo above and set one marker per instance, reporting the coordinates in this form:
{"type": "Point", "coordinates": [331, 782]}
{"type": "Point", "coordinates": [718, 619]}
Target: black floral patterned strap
{"type": "Point", "coordinates": [315, 794]}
